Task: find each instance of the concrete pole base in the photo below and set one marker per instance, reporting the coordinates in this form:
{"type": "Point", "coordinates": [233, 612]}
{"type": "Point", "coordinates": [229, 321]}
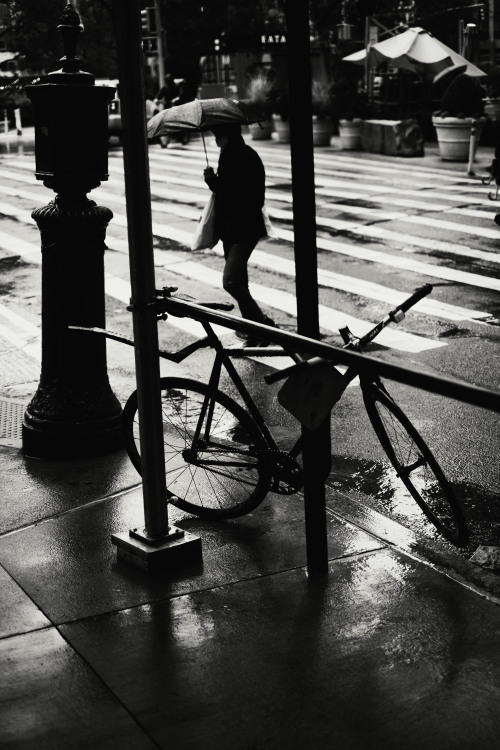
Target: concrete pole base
{"type": "Point", "coordinates": [178, 548]}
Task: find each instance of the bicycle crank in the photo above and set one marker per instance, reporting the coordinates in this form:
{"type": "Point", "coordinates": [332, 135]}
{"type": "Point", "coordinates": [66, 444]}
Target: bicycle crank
{"type": "Point", "coordinates": [286, 474]}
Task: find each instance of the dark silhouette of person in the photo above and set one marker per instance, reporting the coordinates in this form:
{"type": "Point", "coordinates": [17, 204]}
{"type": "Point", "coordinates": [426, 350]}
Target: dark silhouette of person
{"type": "Point", "coordinates": [239, 188]}
{"type": "Point", "coordinates": [167, 93]}
{"type": "Point", "coordinates": [494, 170]}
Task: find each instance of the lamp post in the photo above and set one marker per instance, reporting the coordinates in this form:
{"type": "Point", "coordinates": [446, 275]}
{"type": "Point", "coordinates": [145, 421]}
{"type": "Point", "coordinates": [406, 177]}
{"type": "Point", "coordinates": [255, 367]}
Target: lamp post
{"type": "Point", "coordinates": [74, 411]}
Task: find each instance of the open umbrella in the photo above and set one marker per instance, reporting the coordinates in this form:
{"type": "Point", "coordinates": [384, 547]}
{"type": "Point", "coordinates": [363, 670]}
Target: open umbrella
{"type": "Point", "coordinates": [415, 50]}
{"type": "Point", "coordinates": [202, 114]}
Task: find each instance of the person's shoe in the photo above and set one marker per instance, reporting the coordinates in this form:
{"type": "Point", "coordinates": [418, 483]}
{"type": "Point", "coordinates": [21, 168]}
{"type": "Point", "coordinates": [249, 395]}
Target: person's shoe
{"type": "Point", "coordinates": [252, 339]}
{"type": "Point", "coordinates": [497, 219]}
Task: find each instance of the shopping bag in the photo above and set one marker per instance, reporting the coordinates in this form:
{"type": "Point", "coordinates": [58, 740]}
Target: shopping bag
{"type": "Point", "coordinates": [270, 230]}
{"type": "Point", "coordinates": [205, 236]}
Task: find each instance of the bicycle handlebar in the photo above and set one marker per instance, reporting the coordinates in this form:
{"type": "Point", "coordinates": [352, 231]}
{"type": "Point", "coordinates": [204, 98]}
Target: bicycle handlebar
{"type": "Point", "coordinates": [417, 295]}
{"type": "Point", "coordinates": [350, 341]}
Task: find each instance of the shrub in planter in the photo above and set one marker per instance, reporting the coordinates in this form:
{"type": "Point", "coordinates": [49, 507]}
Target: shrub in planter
{"type": "Point", "coordinates": [461, 105]}
{"type": "Point", "coordinates": [280, 108]}
{"type": "Point", "coordinates": [258, 92]}
{"type": "Point", "coordinates": [462, 98]}
{"type": "Point", "coordinates": [492, 102]}
{"type": "Point", "coordinates": [322, 109]}
{"type": "Point", "coordinates": [352, 108]}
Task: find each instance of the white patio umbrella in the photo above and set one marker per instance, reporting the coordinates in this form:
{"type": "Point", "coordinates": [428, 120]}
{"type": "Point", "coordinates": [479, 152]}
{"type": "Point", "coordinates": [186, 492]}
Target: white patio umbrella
{"type": "Point", "coordinates": [416, 50]}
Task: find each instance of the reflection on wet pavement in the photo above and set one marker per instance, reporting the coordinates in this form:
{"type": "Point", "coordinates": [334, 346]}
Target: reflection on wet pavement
{"type": "Point", "coordinates": [384, 492]}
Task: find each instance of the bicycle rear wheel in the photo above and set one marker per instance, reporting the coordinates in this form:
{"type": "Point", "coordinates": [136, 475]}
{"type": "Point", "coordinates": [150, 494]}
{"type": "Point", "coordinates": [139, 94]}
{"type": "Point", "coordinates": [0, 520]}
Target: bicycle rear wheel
{"type": "Point", "coordinates": [214, 470]}
{"type": "Point", "coordinates": [415, 464]}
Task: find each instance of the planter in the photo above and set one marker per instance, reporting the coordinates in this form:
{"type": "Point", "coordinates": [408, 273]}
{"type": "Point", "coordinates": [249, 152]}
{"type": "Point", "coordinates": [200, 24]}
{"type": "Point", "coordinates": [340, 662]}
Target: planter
{"type": "Point", "coordinates": [322, 130]}
{"type": "Point", "coordinates": [350, 134]}
{"type": "Point", "coordinates": [453, 134]}
{"type": "Point", "coordinates": [261, 131]}
{"type": "Point", "coordinates": [281, 128]}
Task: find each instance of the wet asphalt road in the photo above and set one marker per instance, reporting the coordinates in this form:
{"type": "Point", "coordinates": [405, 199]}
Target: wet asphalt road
{"type": "Point", "coordinates": [416, 213]}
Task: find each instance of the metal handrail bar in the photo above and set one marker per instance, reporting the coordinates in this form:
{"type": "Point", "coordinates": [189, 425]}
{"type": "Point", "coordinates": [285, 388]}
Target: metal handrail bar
{"type": "Point", "coordinates": [445, 386]}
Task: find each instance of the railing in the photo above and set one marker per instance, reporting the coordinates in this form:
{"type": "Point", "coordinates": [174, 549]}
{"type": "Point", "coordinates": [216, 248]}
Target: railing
{"type": "Point", "coordinates": [444, 386]}
{"type": "Point", "coordinates": [316, 442]}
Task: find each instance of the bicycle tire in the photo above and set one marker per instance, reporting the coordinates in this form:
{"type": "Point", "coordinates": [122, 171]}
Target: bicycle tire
{"type": "Point", "coordinates": [235, 481]}
{"type": "Point", "coordinates": [415, 464]}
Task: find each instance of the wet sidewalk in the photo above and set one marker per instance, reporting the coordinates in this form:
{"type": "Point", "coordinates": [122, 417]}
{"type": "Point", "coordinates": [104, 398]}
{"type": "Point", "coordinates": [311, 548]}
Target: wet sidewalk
{"type": "Point", "coordinates": [397, 647]}
{"type": "Point", "coordinates": [242, 650]}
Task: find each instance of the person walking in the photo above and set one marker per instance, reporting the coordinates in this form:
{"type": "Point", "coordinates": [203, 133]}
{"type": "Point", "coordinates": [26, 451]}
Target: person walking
{"type": "Point", "coordinates": [167, 93]}
{"type": "Point", "coordinates": [494, 170]}
{"type": "Point", "coordinates": [239, 188]}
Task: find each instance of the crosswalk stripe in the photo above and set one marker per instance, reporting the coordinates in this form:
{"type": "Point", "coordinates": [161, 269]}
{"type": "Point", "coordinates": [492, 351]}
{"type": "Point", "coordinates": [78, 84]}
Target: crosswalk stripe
{"type": "Point", "coordinates": [331, 162]}
{"type": "Point", "coordinates": [325, 163]}
{"type": "Point", "coordinates": [374, 232]}
{"type": "Point", "coordinates": [405, 263]}
{"type": "Point", "coordinates": [27, 249]}
{"type": "Point", "coordinates": [426, 269]}
{"type": "Point", "coordinates": [330, 319]}
{"type": "Point", "coordinates": [428, 221]}
{"type": "Point", "coordinates": [18, 331]}
{"type": "Point", "coordinates": [340, 225]}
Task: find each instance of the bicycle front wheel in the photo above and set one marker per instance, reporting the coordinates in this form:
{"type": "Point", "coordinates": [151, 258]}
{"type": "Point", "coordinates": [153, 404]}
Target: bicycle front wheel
{"type": "Point", "coordinates": [415, 464]}
{"type": "Point", "coordinates": [213, 450]}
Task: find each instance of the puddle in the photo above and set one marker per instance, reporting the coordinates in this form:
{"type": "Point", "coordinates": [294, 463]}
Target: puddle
{"type": "Point", "coordinates": [383, 491]}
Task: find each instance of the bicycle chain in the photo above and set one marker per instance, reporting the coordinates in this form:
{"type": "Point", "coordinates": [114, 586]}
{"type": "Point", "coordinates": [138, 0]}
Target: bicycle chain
{"type": "Point", "coordinates": [286, 473]}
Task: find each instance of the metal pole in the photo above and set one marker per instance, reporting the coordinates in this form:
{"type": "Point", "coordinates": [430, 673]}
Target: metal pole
{"type": "Point", "coordinates": [472, 149]}
{"type": "Point", "coordinates": [315, 444]}
{"type": "Point", "coordinates": [142, 277]}
{"type": "Point", "coordinates": [157, 545]}
{"type": "Point", "coordinates": [491, 32]}
{"type": "Point", "coordinates": [160, 46]}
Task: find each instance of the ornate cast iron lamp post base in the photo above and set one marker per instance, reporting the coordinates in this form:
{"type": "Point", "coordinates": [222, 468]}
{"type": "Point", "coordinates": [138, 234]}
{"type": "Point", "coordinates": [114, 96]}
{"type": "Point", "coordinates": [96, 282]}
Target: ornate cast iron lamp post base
{"type": "Point", "coordinates": [74, 411]}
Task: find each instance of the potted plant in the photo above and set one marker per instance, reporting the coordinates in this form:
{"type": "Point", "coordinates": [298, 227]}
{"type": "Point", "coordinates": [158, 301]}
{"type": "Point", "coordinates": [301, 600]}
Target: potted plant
{"type": "Point", "coordinates": [322, 108]}
{"type": "Point", "coordinates": [258, 92]}
{"type": "Point", "coordinates": [280, 110]}
{"type": "Point", "coordinates": [461, 106]}
{"type": "Point", "coordinates": [352, 108]}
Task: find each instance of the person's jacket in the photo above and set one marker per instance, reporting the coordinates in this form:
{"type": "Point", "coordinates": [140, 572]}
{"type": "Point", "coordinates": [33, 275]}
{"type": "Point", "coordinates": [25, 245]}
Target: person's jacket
{"type": "Point", "coordinates": [239, 188]}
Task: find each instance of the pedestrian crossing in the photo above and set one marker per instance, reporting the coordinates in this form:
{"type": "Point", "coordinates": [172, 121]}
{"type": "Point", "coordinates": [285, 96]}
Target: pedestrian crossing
{"type": "Point", "coordinates": [372, 215]}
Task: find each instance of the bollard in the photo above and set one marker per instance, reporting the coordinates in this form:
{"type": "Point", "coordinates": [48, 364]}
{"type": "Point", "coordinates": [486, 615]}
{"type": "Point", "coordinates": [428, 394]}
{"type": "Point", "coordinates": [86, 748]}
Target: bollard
{"type": "Point", "coordinates": [74, 411]}
{"type": "Point", "coordinates": [472, 149]}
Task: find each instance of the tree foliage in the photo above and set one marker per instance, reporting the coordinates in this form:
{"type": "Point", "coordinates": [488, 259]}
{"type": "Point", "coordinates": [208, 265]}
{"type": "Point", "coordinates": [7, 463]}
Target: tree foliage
{"type": "Point", "coordinates": [191, 26]}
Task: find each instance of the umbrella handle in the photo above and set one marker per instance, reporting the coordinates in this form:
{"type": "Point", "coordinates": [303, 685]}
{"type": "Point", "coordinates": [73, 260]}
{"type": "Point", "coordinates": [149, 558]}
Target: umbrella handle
{"type": "Point", "coordinates": [204, 146]}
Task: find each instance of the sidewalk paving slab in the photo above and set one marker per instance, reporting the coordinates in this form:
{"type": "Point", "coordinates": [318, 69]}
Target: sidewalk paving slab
{"type": "Point", "coordinates": [243, 650]}
{"type": "Point", "coordinates": [394, 648]}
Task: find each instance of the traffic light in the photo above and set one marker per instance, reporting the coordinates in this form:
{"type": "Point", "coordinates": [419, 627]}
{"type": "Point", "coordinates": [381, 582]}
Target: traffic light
{"type": "Point", "coordinates": [148, 21]}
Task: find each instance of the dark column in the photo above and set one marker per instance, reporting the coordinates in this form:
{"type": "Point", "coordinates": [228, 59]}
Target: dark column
{"type": "Point", "coordinates": [316, 449]}
{"type": "Point", "coordinates": [74, 411]}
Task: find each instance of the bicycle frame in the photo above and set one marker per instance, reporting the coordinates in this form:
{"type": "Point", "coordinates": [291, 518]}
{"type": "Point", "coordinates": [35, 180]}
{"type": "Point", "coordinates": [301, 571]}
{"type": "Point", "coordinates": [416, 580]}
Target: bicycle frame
{"type": "Point", "coordinates": [223, 359]}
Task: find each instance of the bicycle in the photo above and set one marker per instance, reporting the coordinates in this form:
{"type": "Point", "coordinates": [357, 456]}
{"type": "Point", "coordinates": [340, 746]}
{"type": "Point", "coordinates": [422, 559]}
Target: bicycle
{"type": "Point", "coordinates": [221, 459]}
